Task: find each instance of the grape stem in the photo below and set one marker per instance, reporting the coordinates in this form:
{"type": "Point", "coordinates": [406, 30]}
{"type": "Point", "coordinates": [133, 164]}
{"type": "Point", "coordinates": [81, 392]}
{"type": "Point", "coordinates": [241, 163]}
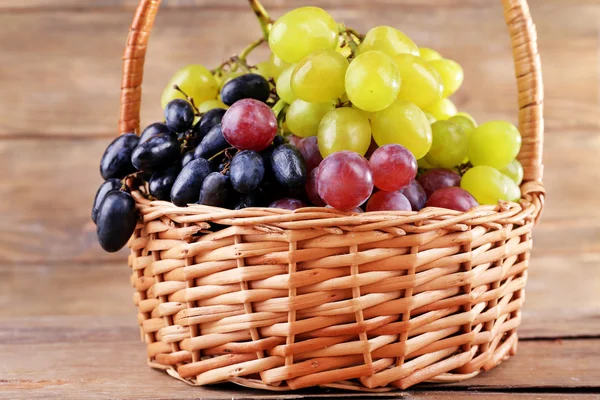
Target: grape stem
{"type": "Point", "coordinates": [278, 107]}
{"type": "Point", "coordinates": [263, 17]}
{"type": "Point", "coordinates": [220, 153]}
{"type": "Point", "coordinates": [188, 98]}
{"type": "Point", "coordinates": [251, 47]}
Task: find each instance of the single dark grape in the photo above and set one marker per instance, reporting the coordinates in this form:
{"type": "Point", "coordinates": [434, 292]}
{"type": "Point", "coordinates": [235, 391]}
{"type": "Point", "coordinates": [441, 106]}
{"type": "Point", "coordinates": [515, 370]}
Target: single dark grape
{"type": "Point", "coordinates": [207, 122]}
{"type": "Point", "coordinates": [179, 115]}
{"type": "Point", "coordinates": [248, 200]}
{"type": "Point", "coordinates": [212, 143]}
{"type": "Point", "coordinates": [105, 188]}
{"type": "Point", "coordinates": [247, 171]}
{"type": "Point", "coordinates": [438, 178]}
{"type": "Point", "coordinates": [312, 190]}
{"type": "Point", "coordinates": [278, 141]}
{"type": "Point", "coordinates": [453, 198]}
{"type": "Point", "coordinates": [116, 161]}
{"type": "Point", "coordinates": [215, 190]}
{"type": "Point", "coordinates": [288, 204]}
{"type": "Point", "coordinates": [187, 157]}
{"type": "Point", "coordinates": [416, 195]}
{"type": "Point", "coordinates": [117, 218]}
{"type": "Point", "coordinates": [248, 86]}
{"type": "Point", "coordinates": [186, 189]}
{"type": "Point", "coordinates": [157, 152]}
{"type": "Point", "coordinates": [289, 166]}
{"type": "Point", "coordinates": [153, 130]}
{"type": "Point", "coordinates": [250, 125]}
{"type": "Point", "coordinates": [388, 201]}
{"type": "Point", "coordinates": [309, 147]}
{"type": "Point", "coordinates": [162, 181]}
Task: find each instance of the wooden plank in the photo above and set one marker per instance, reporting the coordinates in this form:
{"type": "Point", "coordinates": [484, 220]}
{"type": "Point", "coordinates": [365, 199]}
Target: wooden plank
{"type": "Point", "coordinates": [78, 76]}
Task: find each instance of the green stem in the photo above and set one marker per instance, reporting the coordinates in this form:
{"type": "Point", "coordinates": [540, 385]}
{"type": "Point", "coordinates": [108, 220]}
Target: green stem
{"type": "Point", "coordinates": [251, 47]}
{"type": "Point", "coordinates": [278, 107]}
{"type": "Point", "coordinates": [263, 17]}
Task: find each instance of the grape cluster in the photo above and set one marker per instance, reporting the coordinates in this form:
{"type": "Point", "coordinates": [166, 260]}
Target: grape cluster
{"type": "Point", "coordinates": [332, 119]}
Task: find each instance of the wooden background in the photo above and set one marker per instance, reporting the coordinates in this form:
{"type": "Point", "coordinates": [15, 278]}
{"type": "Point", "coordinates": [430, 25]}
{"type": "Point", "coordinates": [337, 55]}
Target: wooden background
{"type": "Point", "coordinates": [67, 323]}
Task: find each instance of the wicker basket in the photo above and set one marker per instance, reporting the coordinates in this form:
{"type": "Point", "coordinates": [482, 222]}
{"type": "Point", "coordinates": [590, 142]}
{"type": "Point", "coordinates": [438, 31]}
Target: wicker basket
{"type": "Point", "coordinates": [284, 300]}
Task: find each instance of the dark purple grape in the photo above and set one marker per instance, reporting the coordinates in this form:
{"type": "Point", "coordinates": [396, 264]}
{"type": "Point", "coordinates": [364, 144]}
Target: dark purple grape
{"type": "Point", "coordinates": [288, 204]}
{"type": "Point", "coordinates": [247, 171]}
{"type": "Point", "coordinates": [187, 157]}
{"type": "Point", "coordinates": [312, 190]}
{"type": "Point", "coordinates": [289, 166]}
{"type": "Point", "coordinates": [157, 152]}
{"type": "Point", "coordinates": [207, 122]}
{"type": "Point", "coordinates": [278, 141]}
{"type": "Point", "coordinates": [116, 161]}
{"type": "Point", "coordinates": [212, 143]}
{"type": "Point", "coordinates": [249, 200]}
{"type": "Point", "coordinates": [453, 198]}
{"type": "Point", "coordinates": [248, 86]}
{"type": "Point", "coordinates": [186, 189]}
{"type": "Point", "coordinates": [105, 188]}
{"type": "Point", "coordinates": [117, 218]}
{"type": "Point", "coordinates": [179, 115]}
{"type": "Point", "coordinates": [162, 181]}
{"type": "Point", "coordinates": [153, 130]}
{"type": "Point", "coordinates": [438, 178]}
{"type": "Point", "coordinates": [309, 147]}
{"type": "Point", "coordinates": [416, 195]}
{"type": "Point", "coordinates": [216, 190]}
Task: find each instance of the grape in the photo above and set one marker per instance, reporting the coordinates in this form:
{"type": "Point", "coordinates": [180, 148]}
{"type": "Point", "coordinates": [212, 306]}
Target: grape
{"type": "Point", "coordinates": [345, 180]}
{"type": "Point", "coordinates": [106, 187]}
{"type": "Point", "coordinates": [488, 185]}
{"type": "Point", "coordinates": [187, 157]}
{"type": "Point", "coordinates": [116, 160]}
{"type": "Point", "coordinates": [344, 129]}
{"type": "Point", "coordinates": [278, 65]}
{"type": "Point", "coordinates": [186, 188]}
{"type": "Point", "coordinates": [249, 200]}
{"type": "Point", "coordinates": [196, 81]}
{"type": "Point", "coordinates": [312, 190]}
{"type": "Point", "coordinates": [373, 81]}
{"type": "Point", "coordinates": [356, 210]}
{"type": "Point", "coordinates": [247, 171]}
{"type": "Point", "coordinates": [430, 118]}
{"type": "Point", "coordinates": [428, 54]}
{"type": "Point", "coordinates": [303, 118]}
{"type": "Point", "coordinates": [442, 110]}
{"type": "Point", "coordinates": [212, 143]}
{"type": "Point", "coordinates": [421, 84]}
{"type": "Point", "coordinates": [393, 166]}
{"type": "Point", "coordinates": [157, 152]}
{"type": "Point", "coordinates": [266, 69]}
{"type": "Point", "coordinates": [320, 77]}
{"type": "Point", "coordinates": [368, 114]}
{"type": "Point", "coordinates": [435, 179]}
{"type": "Point", "coordinates": [284, 85]}
{"type": "Point", "coordinates": [228, 76]}
{"type": "Point", "coordinates": [453, 198]}
{"type": "Point", "coordinates": [388, 40]}
{"type": "Point", "coordinates": [309, 147]}
{"type": "Point", "coordinates": [213, 104]}
{"type": "Point", "coordinates": [301, 32]}
{"type": "Point", "coordinates": [179, 115]}
{"type": "Point", "coordinates": [207, 122]}
{"type": "Point", "coordinates": [451, 73]}
{"type": "Point", "coordinates": [215, 190]}
{"type": "Point", "coordinates": [153, 130]}
{"type": "Point", "coordinates": [117, 218]}
{"type": "Point", "coordinates": [495, 144]}
{"type": "Point", "coordinates": [514, 170]}
{"type": "Point", "coordinates": [294, 140]}
{"type": "Point", "coordinates": [403, 123]}
{"type": "Point", "coordinates": [249, 125]}
{"type": "Point", "coordinates": [288, 204]}
{"type": "Point", "coordinates": [466, 123]}
{"type": "Point", "coordinates": [450, 145]}
{"type": "Point", "coordinates": [161, 183]}
{"type": "Point", "coordinates": [288, 166]}
{"type": "Point", "coordinates": [424, 164]}
{"type": "Point", "coordinates": [248, 86]}
{"type": "Point", "coordinates": [416, 195]}
{"type": "Point", "coordinates": [388, 201]}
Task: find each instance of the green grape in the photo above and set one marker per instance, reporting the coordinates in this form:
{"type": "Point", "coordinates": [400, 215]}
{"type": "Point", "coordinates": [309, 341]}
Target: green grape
{"type": "Point", "coordinates": [266, 69]}
{"type": "Point", "coordinates": [388, 40]}
{"type": "Point", "coordinates": [442, 110]}
{"type": "Point", "coordinates": [467, 123]}
{"type": "Point", "coordinates": [451, 73]}
{"type": "Point", "coordinates": [210, 104]}
{"type": "Point", "coordinates": [368, 114]}
{"type": "Point", "coordinates": [428, 54]}
{"type": "Point", "coordinates": [514, 170]}
{"type": "Point", "coordinates": [373, 81]}
{"type": "Point", "coordinates": [450, 145]}
{"type": "Point", "coordinates": [301, 32]}
{"type": "Point", "coordinates": [284, 85]}
{"type": "Point", "coordinates": [421, 84]}
{"type": "Point", "coordinates": [344, 129]}
{"type": "Point", "coordinates": [278, 65]}
{"type": "Point", "coordinates": [303, 118]}
{"type": "Point", "coordinates": [320, 77]}
{"type": "Point", "coordinates": [403, 123]}
{"type": "Point", "coordinates": [488, 185]}
{"type": "Point", "coordinates": [424, 164]}
{"type": "Point", "coordinates": [495, 144]}
{"type": "Point", "coordinates": [196, 81]}
{"type": "Point", "coordinates": [430, 118]}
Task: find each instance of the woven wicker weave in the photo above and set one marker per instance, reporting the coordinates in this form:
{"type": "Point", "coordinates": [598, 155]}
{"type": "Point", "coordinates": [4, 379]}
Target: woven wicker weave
{"type": "Point", "coordinates": [284, 300]}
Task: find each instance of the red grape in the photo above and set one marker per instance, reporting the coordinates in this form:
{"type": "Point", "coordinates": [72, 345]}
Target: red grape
{"type": "Point", "coordinates": [249, 125]}
{"type": "Point", "coordinates": [435, 179]}
{"type": "Point", "coordinates": [453, 198]}
{"type": "Point", "coordinates": [394, 167]}
{"type": "Point", "coordinates": [288, 204]}
{"type": "Point", "coordinates": [415, 195]}
{"type": "Point", "coordinates": [294, 140]}
{"type": "Point", "coordinates": [309, 147]}
{"type": "Point", "coordinates": [311, 189]}
{"type": "Point", "coordinates": [345, 180]}
{"type": "Point", "coordinates": [357, 210]}
{"type": "Point", "coordinates": [388, 201]}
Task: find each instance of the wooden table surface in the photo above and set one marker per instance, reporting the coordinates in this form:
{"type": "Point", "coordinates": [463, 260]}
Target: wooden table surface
{"type": "Point", "coordinates": [67, 322]}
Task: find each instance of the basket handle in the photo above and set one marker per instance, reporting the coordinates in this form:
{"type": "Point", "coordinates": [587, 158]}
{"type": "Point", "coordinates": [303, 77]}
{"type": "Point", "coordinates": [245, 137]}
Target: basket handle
{"type": "Point", "coordinates": [525, 53]}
